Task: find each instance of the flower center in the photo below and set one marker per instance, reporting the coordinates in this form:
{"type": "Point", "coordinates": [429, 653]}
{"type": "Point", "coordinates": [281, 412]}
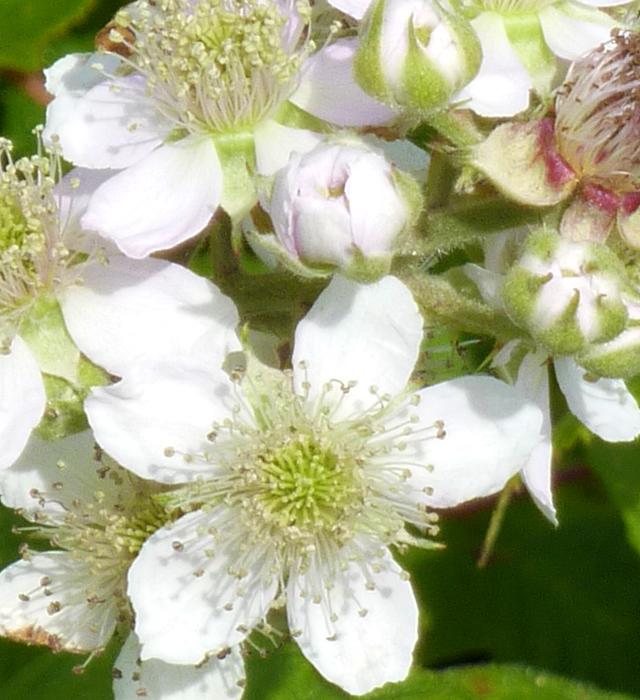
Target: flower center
{"type": "Point", "coordinates": [215, 66]}
{"type": "Point", "coordinates": [30, 249]}
{"type": "Point", "coordinates": [305, 487]}
{"type": "Point", "coordinates": [98, 523]}
{"type": "Point", "coordinates": [294, 482]}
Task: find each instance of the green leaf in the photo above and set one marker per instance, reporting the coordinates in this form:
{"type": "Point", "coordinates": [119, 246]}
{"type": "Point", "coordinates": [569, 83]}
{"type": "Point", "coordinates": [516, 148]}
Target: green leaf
{"type": "Point", "coordinates": [29, 25]}
{"type": "Point", "coordinates": [619, 468]}
{"type": "Point", "coordinates": [286, 675]}
{"type": "Point", "coordinates": [565, 600]}
{"type": "Point", "coordinates": [19, 114]}
{"type": "Point", "coordinates": [41, 675]}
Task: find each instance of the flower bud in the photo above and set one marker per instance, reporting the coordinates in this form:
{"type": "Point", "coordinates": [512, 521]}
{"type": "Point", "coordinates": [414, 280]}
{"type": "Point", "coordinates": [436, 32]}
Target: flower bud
{"type": "Point", "coordinates": [569, 296]}
{"type": "Point", "coordinates": [340, 206]}
{"type": "Point", "coordinates": [415, 53]}
{"type": "Point", "coordinates": [619, 358]}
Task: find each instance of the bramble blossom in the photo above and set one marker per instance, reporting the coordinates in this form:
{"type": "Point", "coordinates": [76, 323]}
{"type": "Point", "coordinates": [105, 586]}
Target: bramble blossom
{"type": "Point", "coordinates": [296, 484]}
{"type": "Point", "coordinates": [183, 113]}
{"type": "Point", "coordinates": [61, 295]}
{"type": "Point", "coordinates": [96, 516]}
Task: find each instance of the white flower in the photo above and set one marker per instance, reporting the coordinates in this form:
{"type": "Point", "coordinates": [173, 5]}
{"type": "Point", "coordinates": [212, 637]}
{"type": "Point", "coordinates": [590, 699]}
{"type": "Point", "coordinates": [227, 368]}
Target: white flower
{"type": "Point", "coordinates": [50, 287]}
{"type": "Point", "coordinates": [522, 42]}
{"type": "Point", "coordinates": [73, 598]}
{"type": "Point", "coordinates": [298, 483]}
{"type": "Point", "coordinates": [604, 405]}
{"type": "Point", "coordinates": [183, 118]}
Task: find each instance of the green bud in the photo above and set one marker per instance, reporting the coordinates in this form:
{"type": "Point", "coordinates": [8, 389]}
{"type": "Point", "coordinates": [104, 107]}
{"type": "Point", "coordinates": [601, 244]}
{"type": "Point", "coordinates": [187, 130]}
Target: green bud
{"type": "Point", "coordinates": [568, 296]}
{"type": "Point", "coordinates": [415, 54]}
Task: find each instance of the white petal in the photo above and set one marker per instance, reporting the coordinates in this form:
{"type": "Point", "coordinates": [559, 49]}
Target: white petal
{"type": "Point", "coordinates": [129, 309]}
{"type": "Point", "coordinates": [54, 613]}
{"type": "Point", "coordinates": [572, 36]}
{"type": "Point", "coordinates": [274, 144]}
{"type": "Point", "coordinates": [490, 430]}
{"type": "Point", "coordinates": [217, 679]}
{"type": "Point", "coordinates": [605, 406]}
{"type": "Point", "coordinates": [355, 8]}
{"type": "Point", "coordinates": [368, 334]}
{"type": "Point", "coordinates": [73, 194]}
{"type": "Point", "coordinates": [160, 408]}
{"type": "Point", "coordinates": [366, 649]}
{"type": "Point", "coordinates": [38, 483]}
{"type": "Point", "coordinates": [22, 400]}
{"type": "Point", "coordinates": [533, 382]}
{"type": "Point", "coordinates": [501, 87]}
{"type": "Point", "coordinates": [329, 91]}
{"type": "Point", "coordinates": [74, 73]}
{"type": "Point", "coordinates": [110, 125]}
{"type": "Point", "coordinates": [195, 607]}
{"type": "Point", "coordinates": [489, 283]}
{"type": "Point", "coordinates": [161, 201]}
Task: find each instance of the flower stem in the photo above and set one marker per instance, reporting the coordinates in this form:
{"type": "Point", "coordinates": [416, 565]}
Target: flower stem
{"type": "Point", "coordinates": [497, 518]}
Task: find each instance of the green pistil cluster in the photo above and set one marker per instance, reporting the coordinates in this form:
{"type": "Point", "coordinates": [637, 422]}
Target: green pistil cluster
{"type": "Point", "coordinates": [306, 486]}
{"type": "Point", "coordinates": [30, 247]}
{"type": "Point", "coordinates": [106, 530]}
{"type": "Point", "coordinates": [215, 66]}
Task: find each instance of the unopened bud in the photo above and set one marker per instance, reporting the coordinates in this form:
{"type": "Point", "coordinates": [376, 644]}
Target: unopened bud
{"type": "Point", "coordinates": [568, 296]}
{"type": "Point", "coordinates": [341, 206]}
{"type": "Point", "coordinates": [415, 53]}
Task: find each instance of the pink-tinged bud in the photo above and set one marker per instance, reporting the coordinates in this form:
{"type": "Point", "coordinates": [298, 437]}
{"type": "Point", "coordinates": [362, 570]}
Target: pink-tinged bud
{"type": "Point", "coordinates": [341, 206]}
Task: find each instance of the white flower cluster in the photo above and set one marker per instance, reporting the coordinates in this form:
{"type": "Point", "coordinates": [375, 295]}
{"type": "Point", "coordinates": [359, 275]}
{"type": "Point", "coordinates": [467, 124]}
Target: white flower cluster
{"type": "Point", "coordinates": [196, 462]}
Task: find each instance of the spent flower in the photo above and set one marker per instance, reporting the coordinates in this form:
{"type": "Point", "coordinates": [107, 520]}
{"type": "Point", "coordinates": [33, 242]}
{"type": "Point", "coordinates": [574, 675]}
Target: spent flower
{"type": "Point", "coordinates": [589, 150]}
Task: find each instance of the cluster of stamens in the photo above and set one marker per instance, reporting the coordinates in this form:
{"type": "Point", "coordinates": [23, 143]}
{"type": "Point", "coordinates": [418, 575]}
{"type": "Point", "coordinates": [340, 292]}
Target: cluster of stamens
{"type": "Point", "coordinates": [101, 534]}
{"type": "Point", "coordinates": [597, 128]}
{"type": "Point", "coordinates": [33, 254]}
{"type": "Point", "coordinates": [215, 66]}
{"type": "Point", "coordinates": [299, 487]}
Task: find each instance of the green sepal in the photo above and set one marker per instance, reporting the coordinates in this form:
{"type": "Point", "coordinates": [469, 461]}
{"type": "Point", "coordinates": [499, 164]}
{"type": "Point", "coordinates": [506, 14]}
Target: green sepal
{"type": "Point", "coordinates": [272, 247]}
{"type": "Point", "coordinates": [561, 334]}
{"type": "Point", "coordinates": [511, 157]}
{"type": "Point", "coordinates": [520, 292]}
{"type": "Point", "coordinates": [367, 62]}
{"type": "Point", "coordinates": [425, 85]}
{"type": "Point", "coordinates": [619, 358]}
{"type": "Point", "coordinates": [44, 331]}
{"type": "Point", "coordinates": [366, 269]}
{"type": "Point", "coordinates": [238, 161]}
{"type": "Point", "coordinates": [527, 40]}
{"type": "Point", "coordinates": [64, 414]}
